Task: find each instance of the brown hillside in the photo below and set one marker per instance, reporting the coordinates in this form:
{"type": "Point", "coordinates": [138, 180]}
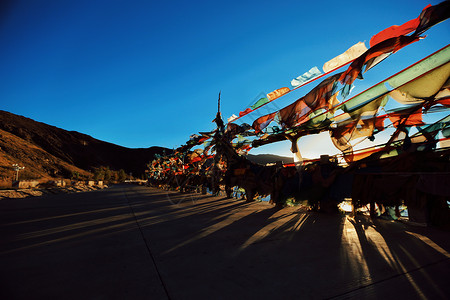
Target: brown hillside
{"type": "Point", "coordinates": [73, 148]}
{"type": "Point", "coordinates": [38, 163]}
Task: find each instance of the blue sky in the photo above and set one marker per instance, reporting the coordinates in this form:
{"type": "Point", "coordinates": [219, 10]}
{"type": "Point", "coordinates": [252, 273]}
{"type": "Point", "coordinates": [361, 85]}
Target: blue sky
{"type": "Point", "coordinates": [148, 73]}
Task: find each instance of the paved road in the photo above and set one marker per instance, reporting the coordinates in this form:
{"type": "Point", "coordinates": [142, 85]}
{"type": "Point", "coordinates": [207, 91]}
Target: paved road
{"type": "Point", "coordinates": [134, 242]}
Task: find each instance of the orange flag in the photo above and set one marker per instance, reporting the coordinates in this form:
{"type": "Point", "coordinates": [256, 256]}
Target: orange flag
{"type": "Point", "coordinates": [277, 93]}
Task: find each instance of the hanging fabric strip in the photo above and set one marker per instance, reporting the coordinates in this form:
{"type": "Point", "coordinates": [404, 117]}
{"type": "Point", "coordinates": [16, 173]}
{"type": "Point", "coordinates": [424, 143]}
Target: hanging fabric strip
{"type": "Point", "coordinates": [423, 87]}
{"type": "Point", "coordinates": [262, 122]}
{"type": "Point", "coordinates": [294, 113]}
{"type": "Point", "coordinates": [433, 15]}
{"type": "Point", "coordinates": [277, 93]}
{"type": "Point", "coordinates": [406, 117]}
{"type": "Point", "coordinates": [245, 112]}
{"type": "Point", "coordinates": [232, 118]}
{"type": "Point", "coordinates": [369, 58]}
{"type": "Point", "coordinates": [307, 76]}
{"type": "Point", "coordinates": [350, 54]}
{"type": "Point", "coordinates": [259, 103]}
{"type": "Point", "coordinates": [396, 30]}
{"type": "Point", "coordinates": [427, 64]}
{"type": "Point", "coordinates": [319, 96]}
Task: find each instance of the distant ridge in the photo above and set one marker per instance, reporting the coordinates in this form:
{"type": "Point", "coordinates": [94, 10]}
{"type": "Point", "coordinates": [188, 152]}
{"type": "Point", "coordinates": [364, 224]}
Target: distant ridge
{"type": "Point", "coordinates": [51, 152]}
{"type": "Point", "coordinates": [73, 148]}
{"type": "Point", "coordinates": [269, 158]}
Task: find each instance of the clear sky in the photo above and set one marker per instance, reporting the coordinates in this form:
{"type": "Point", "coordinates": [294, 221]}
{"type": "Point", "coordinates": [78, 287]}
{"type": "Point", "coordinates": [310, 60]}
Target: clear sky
{"type": "Point", "coordinates": [148, 73]}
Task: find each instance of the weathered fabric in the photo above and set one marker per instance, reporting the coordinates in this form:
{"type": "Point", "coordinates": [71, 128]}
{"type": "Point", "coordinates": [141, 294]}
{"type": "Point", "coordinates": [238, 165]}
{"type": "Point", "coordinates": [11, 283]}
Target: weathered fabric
{"type": "Point", "coordinates": [423, 87]}
{"type": "Point", "coordinates": [259, 103]}
{"type": "Point", "coordinates": [307, 76]}
{"type": "Point", "coordinates": [245, 112]}
{"type": "Point", "coordinates": [412, 72]}
{"type": "Point", "coordinates": [362, 122]}
{"type": "Point", "coordinates": [232, 130]}
{"type": "Point", "coordinates": [350, 54]}
{"type": "Point", "coordinates": [319, 96]}
{"type": "Point", "coordinates": [372, 57]}
{"type": "Point", "coordinates": [333, 103]}
{"type": "Point", "coordinates": [353, 129]}
{"type": "Point", "coordinates": [277, 93]}
{"type": "Point", "coordinates": [396, 30]}
{"type": "Point", "coordinates": [406, 117]}
{"type": "Point", "coordinates": [369, 108]}
{"type": "Point", "coordinates": [294, 113]}
{"type": "Point", "coordinates": [433, 15]}
{"type": "Point", "coordinates": [232, 118]}
{"type": "Point", "coordinates": [262, 122]}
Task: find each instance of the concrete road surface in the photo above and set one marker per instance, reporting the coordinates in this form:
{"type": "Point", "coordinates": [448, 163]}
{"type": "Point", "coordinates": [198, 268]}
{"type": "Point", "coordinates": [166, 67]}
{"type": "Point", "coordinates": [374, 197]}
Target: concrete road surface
{"type": "Point", "coordinates": [135, 242]}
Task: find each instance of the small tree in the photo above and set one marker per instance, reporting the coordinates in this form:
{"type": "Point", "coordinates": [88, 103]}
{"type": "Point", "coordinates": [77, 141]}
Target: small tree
{"type": "Point", "coordinates": [122, 175]}
{"type": "Point", "coordinates": [107, 174]}
{"type": "Point", "coordinates": [75, 175]}
{"type": "Point", "coordinates": [99, 174]}
{"type": "Point", "coordinates": [114, 176]}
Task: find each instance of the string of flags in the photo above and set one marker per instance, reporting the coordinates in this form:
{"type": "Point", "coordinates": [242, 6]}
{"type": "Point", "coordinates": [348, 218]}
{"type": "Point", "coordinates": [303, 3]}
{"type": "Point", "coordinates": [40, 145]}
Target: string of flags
{"type": "Point", "coordinates": [424, 87]}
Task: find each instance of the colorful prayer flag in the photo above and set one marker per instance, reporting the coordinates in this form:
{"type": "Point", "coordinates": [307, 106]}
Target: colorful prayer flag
{"type": "Point", "coordinates": [277, 93]}
{"type": "Point", "coordinates": [307, 76]}
{"type": "Point", "coordinates": [245, 112]}
{"type": "Point", "coordinates": [433, 15]}
{"type": "Point", "coordinates": [262, 122]}
{"type": "Point", "coordinates": [232, 118]}
{"type": "Point", "coordinates": [423, 87]}
{"type": "Point", "coordinates": [319, 96]}
{"type": "Point", "coordinates": [406, 117]}
{"type": "Point", "coordinates": [259, 103]}
{"type": "Point", "coordinates": [294, 113]}
{"type": "Point", "coordinates": [372, 57]}
{"type": "Point", "coordinates": [396, 30]}
{"type": "Point", "coordinates": [350, 54]}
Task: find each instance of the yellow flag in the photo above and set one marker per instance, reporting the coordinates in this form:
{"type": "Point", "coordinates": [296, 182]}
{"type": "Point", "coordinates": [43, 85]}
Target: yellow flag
{"type": "Point", "coordinates": [353, 52]}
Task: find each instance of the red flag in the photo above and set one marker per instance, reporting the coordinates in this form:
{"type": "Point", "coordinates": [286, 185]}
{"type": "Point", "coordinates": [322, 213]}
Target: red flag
{"type": "Point", "coordinates": [397, 30]}
{"type": "Point", "coordinates": [245, 112]}
{"type": "Point", "coordinates": [406, 117]}
{"type": "Point", "coordinates": [262, 122]}
{"type": "Point", "coordinates": [294, 113]}
{"type": "Point", "coordinates": [318, 97]}
{"type": "Point", "coordinates": [433, 15]}
{"type": "Point", "coordinates": [369, 58]}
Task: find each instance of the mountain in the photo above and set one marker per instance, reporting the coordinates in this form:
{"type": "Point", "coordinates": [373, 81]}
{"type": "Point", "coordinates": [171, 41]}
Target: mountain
{"type": "Point", "coordinates": [50, 152]}
{"type": "Point", "coordinates": [38, 163]}
{"type": "Point", "coordinates": [32, 143]}
{"type": "Point", "coordinates": [269, 158]}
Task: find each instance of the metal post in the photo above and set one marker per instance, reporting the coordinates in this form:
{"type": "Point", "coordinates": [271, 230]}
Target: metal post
{"type": "Point", "coordinates": [17, 168]}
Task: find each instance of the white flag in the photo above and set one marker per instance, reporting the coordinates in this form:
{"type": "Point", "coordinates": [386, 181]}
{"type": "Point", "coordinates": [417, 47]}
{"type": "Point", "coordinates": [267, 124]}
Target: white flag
{"type": "Point", "coordinates": [311, 74]}
{"type": "Point", "coordinates": [352, 53]}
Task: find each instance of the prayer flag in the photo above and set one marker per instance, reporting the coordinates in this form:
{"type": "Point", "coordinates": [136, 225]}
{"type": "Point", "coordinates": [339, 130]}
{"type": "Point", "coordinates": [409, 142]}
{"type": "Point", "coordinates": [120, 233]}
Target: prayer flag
{"type": "Point", "coordinates": [433, 15]}
{"type": "Point", "coordinates": [311, 74]}
{"type": "Point", "coordinates": [423, 87]}
{"type": "Point", "coordinates": [350, 54]}
{"type": "Point", "coordinates": [245, 112]}
{"type": "Point", "coordinates": [372, 57]}
{"type": "Point", "coordinates": [262, 122]}
{"type": "Point", "coordinates": [396, 30]}
{"type": "Point", "coordinates": [406, 117]}
{"type": "Point", "coordinates": [232, 118]}
{"type": "Point", "coordinates": [294, 113]}
{"type": "Point", "coordinates": [277, 93]}
{"type": "Point", "coordinates": [319, 96]}
{"type": "Point", "coordinates": [259, 103]}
